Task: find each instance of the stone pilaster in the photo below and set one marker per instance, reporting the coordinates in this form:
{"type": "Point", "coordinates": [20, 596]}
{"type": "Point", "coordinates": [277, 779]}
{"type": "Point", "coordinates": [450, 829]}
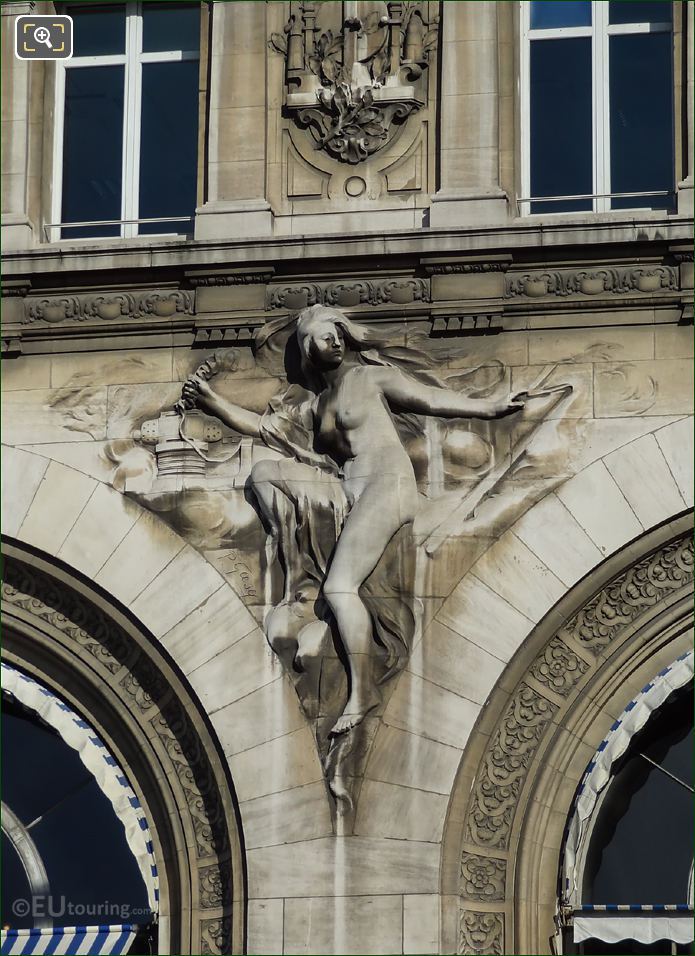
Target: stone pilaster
{"type": "Point", "coordinates": [685, 187]}
{"type": "Point", "coordinates": [236, 203]}
{"type": "Point", "coordinates": [469, 189]}
{"type": "Point", "coordinates": [18, 229]}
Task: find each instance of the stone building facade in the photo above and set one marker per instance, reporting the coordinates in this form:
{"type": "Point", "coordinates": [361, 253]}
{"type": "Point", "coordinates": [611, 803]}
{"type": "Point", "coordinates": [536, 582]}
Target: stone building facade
{"type": "Point", "coordinates": [376, 160]}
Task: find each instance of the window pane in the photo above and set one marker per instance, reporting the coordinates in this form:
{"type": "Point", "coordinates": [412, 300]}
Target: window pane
{"type": "Point", "coordinates": [169, 143]}
{"type": "Point", "coordinates": [98, 29]}
{"type": "Point", "coordinates": [641, 11]}
{"type": "Point", "coordinates": [641, 842]}
{"type": "Point", "coordinates": [92, 148]}
{"type": "Point", "coordinates": [565, 13]}
{"type": "Point", "coordinates": [641, 117]}
{"type": "Point", "coordinates": [561, 160]}
{"type": "Point", "coordinates": [170, 26]}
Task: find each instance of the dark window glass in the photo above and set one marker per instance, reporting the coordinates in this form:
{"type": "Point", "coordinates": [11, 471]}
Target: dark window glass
{"type": "Point", "coordinates": [79, 838]}
{"type": "Point", "coordinates": [641, 844]}
{"type": "Point", "coordinates": [546, 14]}
{"type": "Point", "coordinates": [98, 29]}
{"type": "Point", "coordinates": [641, 11]}
{"type": "Point", "coordinates": [561, 144]}
{"type": "Point", "coordinates": [168, 143]}
{"type": "Point", "coordinates": [15, 885]}
{"type": "Point", "coordinates": [170, 26]}
{"type": "Point", "coordinates": [92, 149]}
{"type": "Point", "coordinates": [641, 117]}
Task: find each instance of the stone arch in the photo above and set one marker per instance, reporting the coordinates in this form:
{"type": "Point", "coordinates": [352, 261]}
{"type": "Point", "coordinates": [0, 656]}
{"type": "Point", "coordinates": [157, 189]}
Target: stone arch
{"type": "Point", "coordinates": [136, 581]}
{"type": "Point", "coordinates": [489, 615]}
{"type": "Point", "coordinates": [531, 744]}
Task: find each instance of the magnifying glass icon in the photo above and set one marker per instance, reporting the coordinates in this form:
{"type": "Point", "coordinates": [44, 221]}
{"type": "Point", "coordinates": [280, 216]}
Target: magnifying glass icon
{"type": "Point", "coordinates": [43, 35]}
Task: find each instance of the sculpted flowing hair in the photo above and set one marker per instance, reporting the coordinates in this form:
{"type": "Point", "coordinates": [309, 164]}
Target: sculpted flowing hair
{"type": "Point", "coordinates": [281, 351]}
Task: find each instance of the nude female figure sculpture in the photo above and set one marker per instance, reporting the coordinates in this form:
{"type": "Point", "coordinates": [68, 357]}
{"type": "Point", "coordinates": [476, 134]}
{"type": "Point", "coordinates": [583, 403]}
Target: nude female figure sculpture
{"type": "Point", "coordinates": [349, 413]}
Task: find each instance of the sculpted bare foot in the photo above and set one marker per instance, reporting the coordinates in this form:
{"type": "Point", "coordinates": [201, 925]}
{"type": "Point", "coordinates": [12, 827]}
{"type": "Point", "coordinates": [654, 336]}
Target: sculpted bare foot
{"type": "Point", "coordinates": [356, 709]}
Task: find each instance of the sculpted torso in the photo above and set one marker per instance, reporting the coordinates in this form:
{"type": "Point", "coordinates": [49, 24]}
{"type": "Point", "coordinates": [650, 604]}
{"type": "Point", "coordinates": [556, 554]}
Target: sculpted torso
{"type": "Point", "coordinates": [353, 425]}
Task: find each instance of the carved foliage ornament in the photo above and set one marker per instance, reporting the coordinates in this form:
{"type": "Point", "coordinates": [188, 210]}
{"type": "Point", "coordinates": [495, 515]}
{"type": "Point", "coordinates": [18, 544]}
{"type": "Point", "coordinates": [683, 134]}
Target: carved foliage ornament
{"type": "Point", "coordinates": [506, 764]}
{"type": "Point", "coordinates": [146, 691]}
{"type": "Point", "coordinates": [513, 745]}
{"type": "Point", "coordinates": [108, 306]}
{"type": "Point", "coordinates": [352, 87]}
{"type": "Point", "coordinates": [399, 291]}
{"type": "Point", "coordinates": [481, 933]}
{"type": "Point", "coordinates": [652, 278]}
{"type": "Point", "coordinates": [639, 588]}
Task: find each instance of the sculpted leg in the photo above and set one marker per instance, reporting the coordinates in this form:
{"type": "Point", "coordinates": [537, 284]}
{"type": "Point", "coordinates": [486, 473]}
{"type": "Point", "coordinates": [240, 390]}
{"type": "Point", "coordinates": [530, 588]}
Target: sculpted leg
{"type": "Point", "coordinates": [374, 519]}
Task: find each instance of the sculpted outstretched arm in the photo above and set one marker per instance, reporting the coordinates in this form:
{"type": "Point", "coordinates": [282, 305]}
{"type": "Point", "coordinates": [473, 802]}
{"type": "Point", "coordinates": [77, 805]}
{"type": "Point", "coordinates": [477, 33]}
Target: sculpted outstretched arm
{"type": "Point", "coordinates": [197, 393]}
{"type": "Point", "coordinates": [413, 396]}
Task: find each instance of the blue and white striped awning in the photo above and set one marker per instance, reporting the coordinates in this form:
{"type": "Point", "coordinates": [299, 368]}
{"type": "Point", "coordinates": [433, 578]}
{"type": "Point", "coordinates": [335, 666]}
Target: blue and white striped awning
{"type": "Point", "coordinates": [93, 753]}
{"type": "Point", "coordinates": [599, 772]}
{"type": "Point", "coordinates": [69, 940]}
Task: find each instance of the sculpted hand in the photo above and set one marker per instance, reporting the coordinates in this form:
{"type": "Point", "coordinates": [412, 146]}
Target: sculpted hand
{"type": "Point", "coordinates": [507, 406]}
{"type": "Point", "coordinates": [196, 393]}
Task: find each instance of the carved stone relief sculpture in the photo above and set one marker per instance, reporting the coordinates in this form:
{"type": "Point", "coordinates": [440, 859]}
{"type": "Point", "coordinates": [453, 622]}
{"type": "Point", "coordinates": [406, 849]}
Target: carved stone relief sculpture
{"type": "Point", "coordinates": [352, 86]}
{"type": "Point", "coordinates": [326, 485]}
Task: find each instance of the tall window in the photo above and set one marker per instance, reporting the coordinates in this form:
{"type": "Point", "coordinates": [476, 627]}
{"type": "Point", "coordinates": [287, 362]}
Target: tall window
{"type": "Point", "coordinates": [126, 145]}
{"type": "Point", "coordinates": [597, 105]}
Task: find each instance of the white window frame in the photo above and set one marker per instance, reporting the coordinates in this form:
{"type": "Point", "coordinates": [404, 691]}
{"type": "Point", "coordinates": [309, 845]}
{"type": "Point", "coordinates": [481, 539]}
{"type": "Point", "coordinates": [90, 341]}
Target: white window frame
{"type": "Point", "coordinates": [132, 60]}
{"type": "Point", "coordinates": [600, 31]}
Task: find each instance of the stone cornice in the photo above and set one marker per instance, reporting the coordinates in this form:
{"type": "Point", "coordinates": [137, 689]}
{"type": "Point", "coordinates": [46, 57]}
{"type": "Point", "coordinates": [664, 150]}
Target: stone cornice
{"type": "Point", "coordinates": [515, 238]}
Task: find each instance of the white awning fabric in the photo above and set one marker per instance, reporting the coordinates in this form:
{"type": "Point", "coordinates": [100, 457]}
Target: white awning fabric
{"type": "Point", "coordinates": [598, 773]}
{"type": "Point", "coordinates": [646, 928]}
{"type": "Point", "coordinates": [69, 940]}
{"type": "Point", "coordinates": [99, 762]}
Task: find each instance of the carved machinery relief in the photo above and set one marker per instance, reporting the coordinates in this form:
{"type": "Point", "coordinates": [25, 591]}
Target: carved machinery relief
{"type": "Point", "coordinates": [327, 511]}
{"type": "Point", "coordinates": [355, 74]}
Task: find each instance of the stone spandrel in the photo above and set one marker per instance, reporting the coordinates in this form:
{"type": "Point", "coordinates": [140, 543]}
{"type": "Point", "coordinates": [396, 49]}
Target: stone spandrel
{"type": "Point", "coordinates": [327, 509]}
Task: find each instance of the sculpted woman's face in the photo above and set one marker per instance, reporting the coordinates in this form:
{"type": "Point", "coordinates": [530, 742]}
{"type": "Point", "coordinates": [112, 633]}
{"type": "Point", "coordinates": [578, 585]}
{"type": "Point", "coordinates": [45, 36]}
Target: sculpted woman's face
{"type": "Point", "coordinates": [326, 344]}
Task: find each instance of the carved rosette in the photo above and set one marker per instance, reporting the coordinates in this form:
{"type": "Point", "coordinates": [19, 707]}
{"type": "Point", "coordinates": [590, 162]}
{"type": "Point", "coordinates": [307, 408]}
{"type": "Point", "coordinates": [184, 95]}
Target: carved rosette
{"type": "Point", "coordinates": [482, 877]}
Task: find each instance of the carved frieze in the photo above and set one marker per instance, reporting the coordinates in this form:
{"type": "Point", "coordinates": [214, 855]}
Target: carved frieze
{"type": "Point", "coordinates": [503, 772]}
{"type": "Point", "coordinates": [108, 306]}
{"type": "Point", "coordinates": [350, 292]}
{"type": "Point", "coordinates": [639, 588]}
{"type": "Point", "coordinates": [480, 933]}
{"type": "Point", "coordinates": [353, 83]}
{"type": "Point", "coordinates": [613, 280]}
{"type": "Point", "coordinates": [212, 883]}
{"type": "Point", "coordinates": [216, 935]}
{"type": "Point", "coordinates": [482, 877]}
{"type": "Point", "coordinates": [37, 596]}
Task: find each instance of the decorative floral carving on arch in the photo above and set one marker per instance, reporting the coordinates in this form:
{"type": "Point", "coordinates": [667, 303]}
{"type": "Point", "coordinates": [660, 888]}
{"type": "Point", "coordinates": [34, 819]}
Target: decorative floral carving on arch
{"type": "Point", "coordinates": [514, 729]}
{"type": "Point", "coordinates": [68, 639]}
